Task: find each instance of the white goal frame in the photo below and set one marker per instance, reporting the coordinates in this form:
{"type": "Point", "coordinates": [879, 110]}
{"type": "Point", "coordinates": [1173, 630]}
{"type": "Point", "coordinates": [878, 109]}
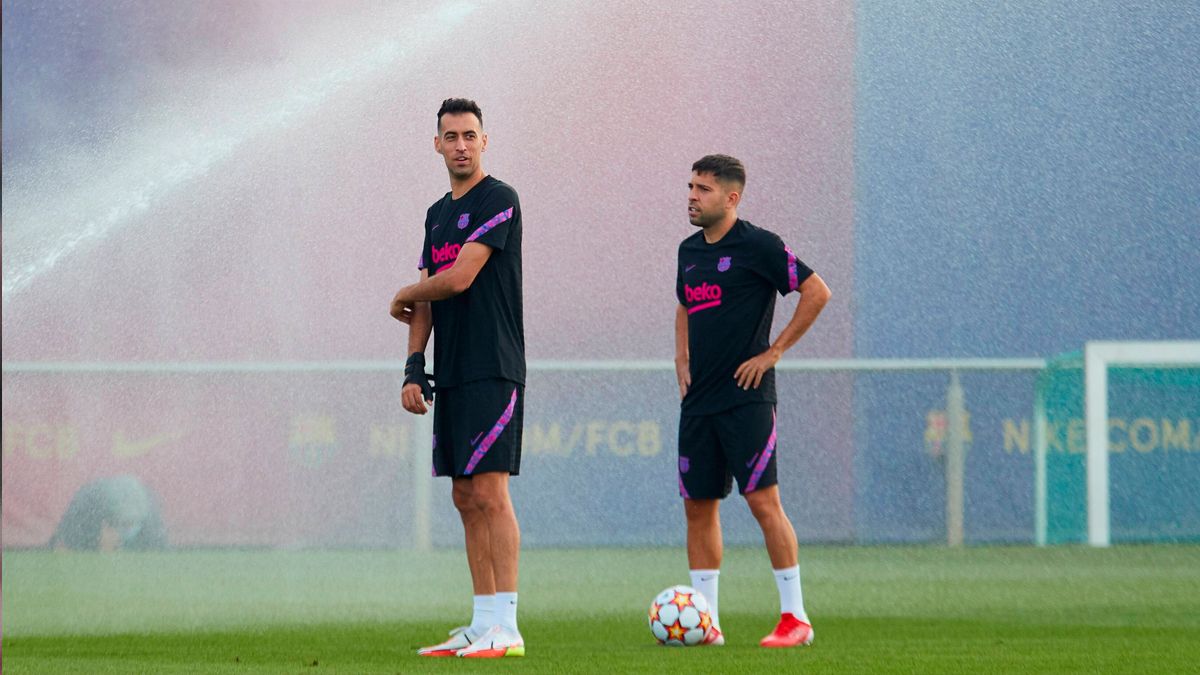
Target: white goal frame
{"type": "Point", "coordinates": [1098, 357]}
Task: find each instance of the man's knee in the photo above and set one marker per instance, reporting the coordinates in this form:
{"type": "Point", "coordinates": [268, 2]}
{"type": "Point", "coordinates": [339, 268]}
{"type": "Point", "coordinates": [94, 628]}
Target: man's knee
{"type": "Point", "coordinates": [701, 510]}
{"type": "Point", "coordinates": [489, 493]}
{"type": "Point", "coordinates": [463, 496]}
{"type": "Point", "coordinates": [764, 504]}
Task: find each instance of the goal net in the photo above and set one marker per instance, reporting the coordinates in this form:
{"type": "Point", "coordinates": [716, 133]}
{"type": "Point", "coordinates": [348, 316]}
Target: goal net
{"type": "Point", "coordinates": [1117, 444]}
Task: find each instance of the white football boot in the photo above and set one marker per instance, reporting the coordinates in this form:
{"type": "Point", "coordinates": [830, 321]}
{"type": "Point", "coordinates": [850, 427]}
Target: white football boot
{"type": "Point", "coordinates": [497, 643]}
{"type": "Point", "coordinates": [714, 637]}
{"type": "Point", "coordinates": [460, 638]}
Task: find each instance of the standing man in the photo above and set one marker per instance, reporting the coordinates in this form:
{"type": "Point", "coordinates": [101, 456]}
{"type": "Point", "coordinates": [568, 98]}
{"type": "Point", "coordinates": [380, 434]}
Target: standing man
{"type": "Point", "coordinates": [469, 296]}
{"type": "Point", "coordinates": [728, 274]}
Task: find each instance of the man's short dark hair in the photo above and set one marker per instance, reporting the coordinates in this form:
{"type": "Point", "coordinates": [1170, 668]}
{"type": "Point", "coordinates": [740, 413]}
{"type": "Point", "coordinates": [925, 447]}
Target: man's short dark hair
{"type": "Point", "coordinates": [724, 168]}
{"type": "Point", "coordinates": [454, 106]}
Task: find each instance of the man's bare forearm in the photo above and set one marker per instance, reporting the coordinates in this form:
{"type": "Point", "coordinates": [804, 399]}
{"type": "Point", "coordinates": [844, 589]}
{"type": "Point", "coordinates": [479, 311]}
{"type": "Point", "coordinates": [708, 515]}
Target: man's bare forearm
{"type": "Point", "coordinates": [420, 328]}
{"type": "Point", "coordinates": [438, 287]}
{"type": "Point", "coordinates": [814, 294]}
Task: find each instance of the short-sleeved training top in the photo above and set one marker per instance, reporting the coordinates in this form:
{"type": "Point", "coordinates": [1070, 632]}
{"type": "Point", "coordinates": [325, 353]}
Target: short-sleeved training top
{"type": "Point", "coordinates": [728, 289]}
{"type": "Point", "coordinates": [480, 333]}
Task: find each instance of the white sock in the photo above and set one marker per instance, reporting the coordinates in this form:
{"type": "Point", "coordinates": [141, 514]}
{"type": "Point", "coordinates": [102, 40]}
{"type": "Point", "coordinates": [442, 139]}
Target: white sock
{"type": "Point", "coordinates": [506, 611]}
{"type": "Point", "coordinates": [484, 614]}
{"type": "Point", "coordinates": [705, 581]}
{"type": "Point", "coordinates": [791, 599]}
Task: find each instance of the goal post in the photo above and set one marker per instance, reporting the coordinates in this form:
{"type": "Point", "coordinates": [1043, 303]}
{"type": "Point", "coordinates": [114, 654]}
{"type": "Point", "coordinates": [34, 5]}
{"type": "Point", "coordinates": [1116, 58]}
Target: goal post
{"type": "Point", "coordinates": [1074, 401]}
{"type": "Point", "coordinates": [1098, 358]}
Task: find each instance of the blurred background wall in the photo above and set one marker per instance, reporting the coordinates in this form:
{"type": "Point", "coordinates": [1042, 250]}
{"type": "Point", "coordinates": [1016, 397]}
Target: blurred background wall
{"type": "Point", "coordinates": [200, 183]}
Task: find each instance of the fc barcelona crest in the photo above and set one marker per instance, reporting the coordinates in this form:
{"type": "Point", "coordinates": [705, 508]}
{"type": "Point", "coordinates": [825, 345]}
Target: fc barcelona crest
{"type": "Point", "coordinates": [723, 264]}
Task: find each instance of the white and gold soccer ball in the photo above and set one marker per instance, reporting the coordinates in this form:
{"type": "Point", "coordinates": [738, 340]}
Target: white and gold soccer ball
{"type": "Point", "coordinates": [679, 617]}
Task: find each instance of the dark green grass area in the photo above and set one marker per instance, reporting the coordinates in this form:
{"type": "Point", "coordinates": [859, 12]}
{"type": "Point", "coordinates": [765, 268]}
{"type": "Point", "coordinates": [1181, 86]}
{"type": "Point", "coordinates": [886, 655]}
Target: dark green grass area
{"type": "Point", "coordinates": [1129, 609]}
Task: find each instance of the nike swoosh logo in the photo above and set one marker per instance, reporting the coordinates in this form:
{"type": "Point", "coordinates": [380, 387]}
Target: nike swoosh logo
{"type": "Point", "coordinates": [123, 447]}
{"type": "Point", "coordinates": [436, 226]}
{"type": "Point", "coordinates": [689, 268]}
{"type": "Point", "coordinates": [707, 578]}
{"type": "Point", "coordinates": [788, 578]}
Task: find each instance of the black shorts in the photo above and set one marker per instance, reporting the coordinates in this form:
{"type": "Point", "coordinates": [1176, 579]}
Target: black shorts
{"type": "Point", "coordinates": [477, 428]}
{"type": "Point", "coordinates": [714, 449]}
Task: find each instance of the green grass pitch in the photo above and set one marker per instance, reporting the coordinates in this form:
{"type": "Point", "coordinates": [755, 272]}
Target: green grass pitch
{"type": "Point", "coordinates": [1129, 609]}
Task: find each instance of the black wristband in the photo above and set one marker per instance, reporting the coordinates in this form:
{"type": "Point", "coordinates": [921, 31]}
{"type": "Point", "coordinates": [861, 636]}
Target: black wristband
{"type": "Point", "coordinates": [414, 373]}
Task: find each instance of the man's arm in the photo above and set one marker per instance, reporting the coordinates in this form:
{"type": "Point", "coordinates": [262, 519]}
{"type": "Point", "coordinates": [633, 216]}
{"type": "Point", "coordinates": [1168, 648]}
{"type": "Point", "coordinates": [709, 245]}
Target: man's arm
{"type": "Point", "coordinates": [683, 371]}
{"type": "Point", "coordinates": [444, 285]}
{"type": "Point", "coordinates": [813, 296]}
{"type": "Point", "coordinates": [420, 326]}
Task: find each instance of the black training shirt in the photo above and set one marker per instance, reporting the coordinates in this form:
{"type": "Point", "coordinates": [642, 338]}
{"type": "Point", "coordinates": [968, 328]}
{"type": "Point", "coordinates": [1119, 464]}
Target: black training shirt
{"type": "Point", "coordinates": [728, 289]}
{"type": "Point", "coordinates": [480, 333]}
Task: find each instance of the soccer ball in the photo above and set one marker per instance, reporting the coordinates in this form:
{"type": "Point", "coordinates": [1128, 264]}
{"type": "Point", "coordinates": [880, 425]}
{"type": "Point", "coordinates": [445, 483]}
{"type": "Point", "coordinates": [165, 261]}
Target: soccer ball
{"type": "Point", "coordinates": [679, 617]}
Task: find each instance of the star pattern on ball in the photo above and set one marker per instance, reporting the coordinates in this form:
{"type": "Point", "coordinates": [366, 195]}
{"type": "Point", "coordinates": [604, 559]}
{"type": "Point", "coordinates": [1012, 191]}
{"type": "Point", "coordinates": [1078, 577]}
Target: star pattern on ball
{"type": "Point", "coordinates": [675, 631]}
{"type": "Point", "coordinates": [682, 600]}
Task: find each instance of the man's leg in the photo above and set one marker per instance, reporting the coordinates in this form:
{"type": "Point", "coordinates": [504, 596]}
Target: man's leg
{"type": "Point", "coordinates": [704, 546]}
{"type": "Point", "coordinates": [703, 473]}
{"type": "Point", "coordinates": [780, 538]}
{"type": "Point", "coordinates": [491, 498]}
{"type": "Point", "coordinates": [777, 530]}
{"type": "Point", "coordinates": [447, 420]}
{"type": "Point", "coordinates": [479, 556]}
{"type": "Point", "coordinates": [479, 561]}
{"type": "Point", "coordinates": [478, 538]}
{"type": "Point", "coordinates": [705, 550]}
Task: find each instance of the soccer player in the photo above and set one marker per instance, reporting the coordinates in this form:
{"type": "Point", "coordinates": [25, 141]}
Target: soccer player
{"type": "Point", "coordinates": [469, 297]}
{"type": "Point", "coordinates": [726, 282]}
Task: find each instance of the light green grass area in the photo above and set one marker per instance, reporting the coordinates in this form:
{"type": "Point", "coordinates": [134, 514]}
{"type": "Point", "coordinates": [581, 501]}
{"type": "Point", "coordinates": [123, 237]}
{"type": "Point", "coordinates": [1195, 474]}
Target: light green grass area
{"type": "Point", "coordinates": [875, 609]}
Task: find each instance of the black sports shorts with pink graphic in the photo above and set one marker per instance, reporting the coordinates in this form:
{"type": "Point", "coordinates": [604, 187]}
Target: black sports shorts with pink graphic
{"type": "Point", "coordinates": [735, 443]}
{"type": "Point", "coordinates": [477, 428]}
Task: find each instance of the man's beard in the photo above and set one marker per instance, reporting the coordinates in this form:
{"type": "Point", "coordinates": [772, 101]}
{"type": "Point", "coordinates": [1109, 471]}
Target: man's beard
{"type": "Point", "coordinates": [464, 172]}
